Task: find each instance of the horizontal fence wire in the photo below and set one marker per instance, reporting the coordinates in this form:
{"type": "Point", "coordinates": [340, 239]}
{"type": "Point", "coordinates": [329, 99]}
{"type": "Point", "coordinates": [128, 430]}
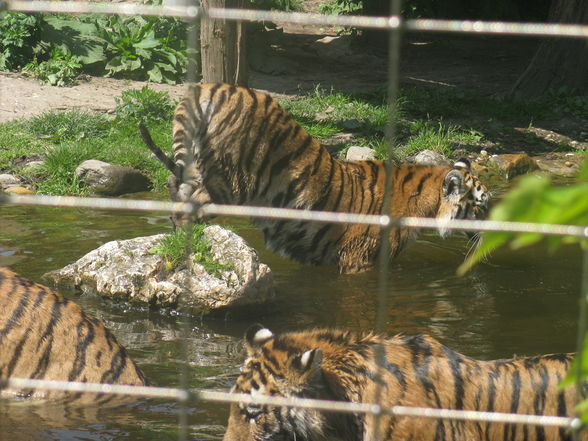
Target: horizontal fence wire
{"type": "Point", "coordinates": [302, 403]}
{"type": "Point", "coordinates": [384, 23]}
{"type": "Point", "coordinates": [293, 214]}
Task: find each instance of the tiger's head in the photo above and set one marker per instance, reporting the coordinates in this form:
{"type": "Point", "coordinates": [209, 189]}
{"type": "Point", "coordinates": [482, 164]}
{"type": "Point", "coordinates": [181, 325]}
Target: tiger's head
{"type": "Point", "coordinates": [463, 196]}
{"type": "Point", "coordinates": [277, 368]}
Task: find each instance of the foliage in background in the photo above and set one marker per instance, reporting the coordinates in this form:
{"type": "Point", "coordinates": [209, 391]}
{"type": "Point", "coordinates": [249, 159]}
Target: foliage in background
{"type": "Point", "coordinates": [277, 5]}
{"type": "Point", "coordinates": [61, 69]}
{"type": "Point", "coordinates": [341, 7]}
{"type": "Point", "coordinates": [18, 39]}
{"type": "Point", "coordinates": [144, 105]}
{"type": "Point", "coordinates": [56, 46]}
{"type": "Point", "coordinates": [568, 101]}
{"type": "Point", "coordinates": [535, 199]}
{"type": "Point", "coordinates": [134, 50]}
{"type": "Point", "coordinates": [173, 250]}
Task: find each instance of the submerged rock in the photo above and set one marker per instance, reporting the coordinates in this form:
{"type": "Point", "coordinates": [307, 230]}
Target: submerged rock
{"type": "Point", "coordinates": [111, 180]}
{"type": "Point", "coordinates": [18, 189]}
{"type": "Point", "coordinates": [128, 270]}
{"type": "Point", "coordinates": [514, 164]}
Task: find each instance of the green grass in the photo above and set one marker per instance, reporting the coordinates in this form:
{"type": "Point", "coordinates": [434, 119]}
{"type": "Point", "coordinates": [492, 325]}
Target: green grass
{"type": "Point", "coordinates": [173, 250]}
{"type": "Point", "coordinates": [65, 139]}
{"type": "Point", "coordinates": [442, 102]}
{"type": "Point", "coordinates": [439, 119]}
{"type": "Point", "coordinates": [440, 138]}
{"type": "Point", "coordinates": [71, 125]}
{"type": "Point", "coordinates": [334, 110]}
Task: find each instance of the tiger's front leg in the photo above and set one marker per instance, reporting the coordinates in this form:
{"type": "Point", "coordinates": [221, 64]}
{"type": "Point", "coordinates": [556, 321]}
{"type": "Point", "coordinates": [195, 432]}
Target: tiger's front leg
{"type": "Point", "coordinates": [358, 256]}
{"type": "Point", "coordinates": [191, 191]}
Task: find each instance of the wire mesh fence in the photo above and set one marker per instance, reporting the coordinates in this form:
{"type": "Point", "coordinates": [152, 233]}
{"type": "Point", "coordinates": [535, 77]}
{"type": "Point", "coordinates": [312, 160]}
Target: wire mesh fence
{"type": "Point", "coordinates": [396, 26]}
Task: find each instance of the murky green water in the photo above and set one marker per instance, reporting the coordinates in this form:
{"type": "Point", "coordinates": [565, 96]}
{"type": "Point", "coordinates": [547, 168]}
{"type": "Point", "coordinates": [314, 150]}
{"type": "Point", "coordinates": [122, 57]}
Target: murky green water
{"type": "Point", "coordinates": [516, 303]}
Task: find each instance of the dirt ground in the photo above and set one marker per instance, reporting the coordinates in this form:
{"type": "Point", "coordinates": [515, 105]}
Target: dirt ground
{"type": "Point", "coordinates": [295, 60]}
{"type": "Point", "coordinates": [284, 62]}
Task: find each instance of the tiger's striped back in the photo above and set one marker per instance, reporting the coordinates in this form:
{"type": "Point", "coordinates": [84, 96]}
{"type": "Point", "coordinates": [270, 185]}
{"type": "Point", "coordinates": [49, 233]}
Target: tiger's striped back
{"type": "Point", "coordinates": [45, 336]}
{"type": "Point", "coordinates": [418, 371]}
{"type": "Point", "coordinates": [237, 146]}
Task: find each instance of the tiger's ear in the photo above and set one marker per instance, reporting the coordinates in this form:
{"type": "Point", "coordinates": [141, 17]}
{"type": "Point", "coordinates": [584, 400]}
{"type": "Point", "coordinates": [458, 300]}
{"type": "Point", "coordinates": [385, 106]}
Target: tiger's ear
{"type": "Point", "coordinates": [452, 184]}
{"type": "Point", "coordinates": [463, 163]}
{"type": "Point", "coordinates": [256, 336]}
{"type": "Point", "coordinates": [308, 364]}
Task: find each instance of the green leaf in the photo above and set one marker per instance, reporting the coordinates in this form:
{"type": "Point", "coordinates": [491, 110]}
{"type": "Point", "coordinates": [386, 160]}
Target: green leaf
{"type": "Point", "coordinates": [535, 200]}
{"type": "Point", "coordinates": [155, 75]}
{"type": "Point", "coordinates": [76, 37]}
{"type": "Point", "coordinates": [147, 43]}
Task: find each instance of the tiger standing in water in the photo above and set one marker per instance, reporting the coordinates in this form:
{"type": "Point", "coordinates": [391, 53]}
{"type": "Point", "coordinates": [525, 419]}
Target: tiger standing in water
{"type": "Point", "coordinates": [247, 150]}
{"type": "Point", "coordinates": [418, 371]}
{"type": "Point", "coordinates": [47, 337]}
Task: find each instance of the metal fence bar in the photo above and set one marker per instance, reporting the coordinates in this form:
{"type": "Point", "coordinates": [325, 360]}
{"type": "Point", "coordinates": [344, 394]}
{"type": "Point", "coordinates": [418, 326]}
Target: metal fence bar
{"type": "Point", "coordinates": [184, 395]}
{"type": "Point", "coordinates": [293, 214]}
{"type": "Point", "coordinates": [384, 23]}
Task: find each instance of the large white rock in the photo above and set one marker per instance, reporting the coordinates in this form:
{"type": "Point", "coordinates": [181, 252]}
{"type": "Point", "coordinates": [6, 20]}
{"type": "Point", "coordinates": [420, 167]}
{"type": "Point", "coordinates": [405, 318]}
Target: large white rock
{"type": "Point", "coordinates": [127, 270]}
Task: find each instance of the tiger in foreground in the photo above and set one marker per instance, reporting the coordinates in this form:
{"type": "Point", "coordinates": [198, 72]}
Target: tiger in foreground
{"type": "Point", "coordinates": [45, 336]}
{"type": "Point", "coordinates": [418, 371]}
{"type": "Point", "coordinates": [233, 145]}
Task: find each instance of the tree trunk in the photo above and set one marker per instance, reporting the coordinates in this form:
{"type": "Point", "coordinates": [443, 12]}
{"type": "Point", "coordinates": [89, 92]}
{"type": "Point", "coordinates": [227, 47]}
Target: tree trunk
{"type": "Point", "coordinates": [558, 62]}
{"type": "Point", "coordinates": [222, 44]}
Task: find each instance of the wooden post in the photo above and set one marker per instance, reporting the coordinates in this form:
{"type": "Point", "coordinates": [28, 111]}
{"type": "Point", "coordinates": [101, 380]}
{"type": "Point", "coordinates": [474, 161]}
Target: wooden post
{"type": "Point", "coordinates": [222, 46]}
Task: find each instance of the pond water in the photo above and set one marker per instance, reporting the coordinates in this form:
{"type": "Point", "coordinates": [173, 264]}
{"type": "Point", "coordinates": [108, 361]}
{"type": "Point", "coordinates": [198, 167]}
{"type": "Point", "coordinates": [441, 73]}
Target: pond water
{"type": "Point", "coordinates": [519, 303]}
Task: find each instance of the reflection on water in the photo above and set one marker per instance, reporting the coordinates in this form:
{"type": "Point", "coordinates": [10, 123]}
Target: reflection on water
{"type": "Point", "coordinates": [517, 303]}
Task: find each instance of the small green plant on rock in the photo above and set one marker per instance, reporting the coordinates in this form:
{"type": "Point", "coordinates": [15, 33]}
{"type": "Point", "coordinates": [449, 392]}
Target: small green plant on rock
{"type": "Point", "coordinates": [173, 250]}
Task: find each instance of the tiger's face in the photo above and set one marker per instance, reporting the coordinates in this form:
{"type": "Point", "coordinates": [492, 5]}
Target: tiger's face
{"type": "Point", "coordinates": [285, 374]}
{"type": "Point", "coordinates": [463, 197]}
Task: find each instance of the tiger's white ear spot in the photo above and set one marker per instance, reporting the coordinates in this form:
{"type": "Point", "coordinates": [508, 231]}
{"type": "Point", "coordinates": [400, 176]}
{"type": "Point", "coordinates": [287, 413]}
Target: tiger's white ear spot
{"type": "Point", "coordinates": [257, 335]}
{"type": "Point", "coordinates": [309, 360]}
{"type": "Point", "coordinates": [463, 163]}
{"type": "Point", "coordinates": [262, 335]}
{"type": "Point", "coordinates": [306, 358]}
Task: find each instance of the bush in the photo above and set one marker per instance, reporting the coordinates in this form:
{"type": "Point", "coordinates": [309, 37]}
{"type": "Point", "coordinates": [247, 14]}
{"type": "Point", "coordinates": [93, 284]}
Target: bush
{"type": "Point", "coordinates": [144, 105]}
{"type": "Point", "coordinates": [61, 69]}
{"type": "Point", "coordinates": [18, 39]}
{"type": "Point", "coordinates": [134, 50]}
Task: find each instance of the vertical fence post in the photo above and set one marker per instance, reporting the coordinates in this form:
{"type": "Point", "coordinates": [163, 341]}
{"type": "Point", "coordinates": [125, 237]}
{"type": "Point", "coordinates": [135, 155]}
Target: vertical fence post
{"type": "Point", "coordinates": [394, 35]}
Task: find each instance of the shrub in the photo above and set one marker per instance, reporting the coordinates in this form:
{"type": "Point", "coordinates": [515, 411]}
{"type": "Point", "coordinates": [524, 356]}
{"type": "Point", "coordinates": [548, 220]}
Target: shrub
{"type": "Point", "coordinates": [133, 49]}
{"type": "Point", "coordinates": [61, 69]}
{"type": "Point", "coordinates": [144, 105]}
{"type": "Point", "coordinates": [18, 39]}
